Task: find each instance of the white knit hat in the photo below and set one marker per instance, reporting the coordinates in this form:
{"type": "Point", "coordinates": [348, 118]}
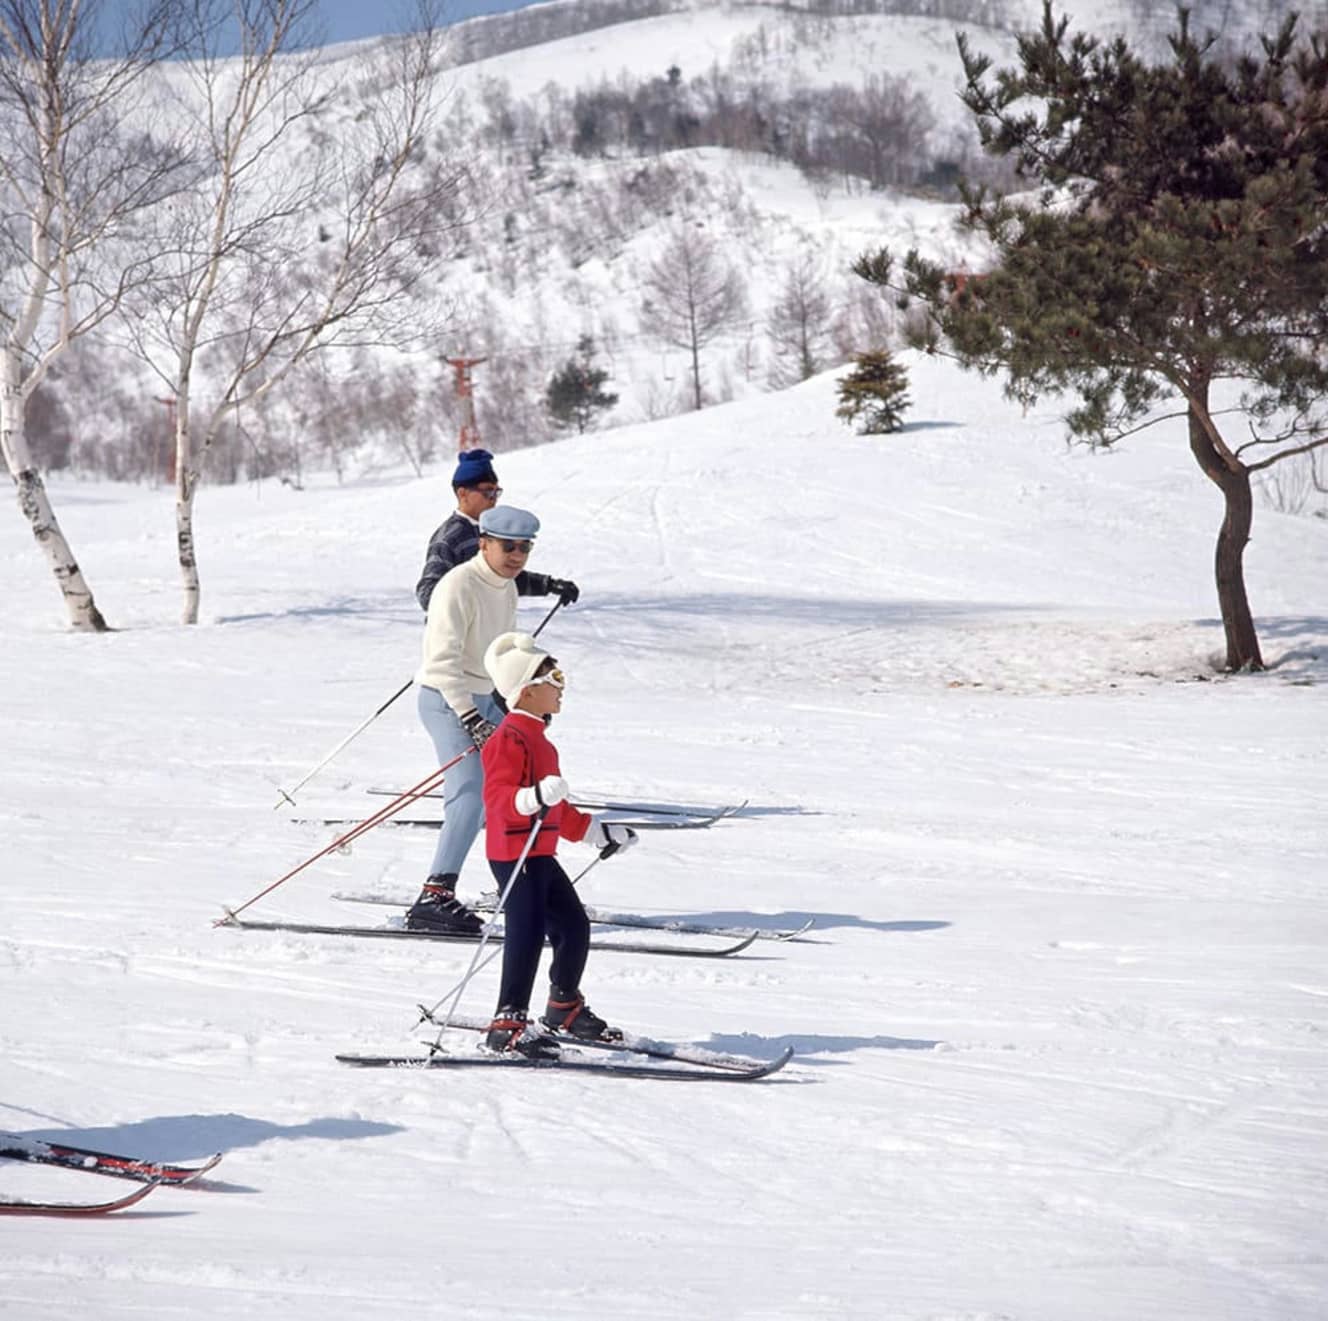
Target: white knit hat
{"type": "Point", "coordinates": [511, 660]}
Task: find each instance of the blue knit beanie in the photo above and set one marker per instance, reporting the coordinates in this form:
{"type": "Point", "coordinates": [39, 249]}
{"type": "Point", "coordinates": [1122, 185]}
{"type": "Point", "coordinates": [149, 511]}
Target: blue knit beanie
{"type": "Point", "coordinates": [474, 467]}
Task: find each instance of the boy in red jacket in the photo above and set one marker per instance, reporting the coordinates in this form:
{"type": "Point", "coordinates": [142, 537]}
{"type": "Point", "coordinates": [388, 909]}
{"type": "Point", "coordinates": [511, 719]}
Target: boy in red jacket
{"type": "Point", "coordinates": [521, 780]}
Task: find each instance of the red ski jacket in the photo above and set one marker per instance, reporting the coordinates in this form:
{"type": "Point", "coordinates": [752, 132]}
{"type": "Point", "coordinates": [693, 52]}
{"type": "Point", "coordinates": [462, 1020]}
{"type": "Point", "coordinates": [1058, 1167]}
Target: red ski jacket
{"type": "Point", "coordinates": [518, 755]}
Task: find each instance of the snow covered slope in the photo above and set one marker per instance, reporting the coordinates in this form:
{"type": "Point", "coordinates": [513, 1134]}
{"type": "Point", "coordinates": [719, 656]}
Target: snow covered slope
{"type": "Point", "coordinates": [1060, 1037]}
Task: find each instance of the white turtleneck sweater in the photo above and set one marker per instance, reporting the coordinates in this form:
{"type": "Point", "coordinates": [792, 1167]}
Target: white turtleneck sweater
{"type": "Point", "coordinates": [470, 607]}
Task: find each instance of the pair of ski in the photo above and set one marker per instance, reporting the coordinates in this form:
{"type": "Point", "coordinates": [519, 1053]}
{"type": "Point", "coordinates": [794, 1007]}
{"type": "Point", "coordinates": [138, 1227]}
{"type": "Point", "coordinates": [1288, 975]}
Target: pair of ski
{"type": "Point", "coordinates": [150, 1175]}
{"type": "Point", "coordinates": [745, 936]}
{"type": "Point", "coordinates": [666, 1061]}
{"type": "Point", "coordinates": [738, 940]}
{"type": "Point", "coordinates": [672, 817]}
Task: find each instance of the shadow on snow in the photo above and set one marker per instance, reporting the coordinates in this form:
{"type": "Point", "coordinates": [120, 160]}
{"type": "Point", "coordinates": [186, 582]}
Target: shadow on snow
{"type": "Point", "coordinates": [807, 1047]}
{"type": "Point", "coordinates": [736, 917]}
{"type": "Point", "coordinates": [185, 1138]}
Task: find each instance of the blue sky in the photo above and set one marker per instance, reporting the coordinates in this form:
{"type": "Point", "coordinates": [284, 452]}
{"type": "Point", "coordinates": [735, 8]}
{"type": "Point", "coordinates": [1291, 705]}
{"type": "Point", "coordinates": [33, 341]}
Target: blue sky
{"type": "Point", "coordinates": [347, 20]}
{"type": "Point", "coordinates": [338, 20]}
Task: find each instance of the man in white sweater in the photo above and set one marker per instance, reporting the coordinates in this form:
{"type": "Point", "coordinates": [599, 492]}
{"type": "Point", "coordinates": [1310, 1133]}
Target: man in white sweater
{"type": "Point", "coordinates": [471, 606]}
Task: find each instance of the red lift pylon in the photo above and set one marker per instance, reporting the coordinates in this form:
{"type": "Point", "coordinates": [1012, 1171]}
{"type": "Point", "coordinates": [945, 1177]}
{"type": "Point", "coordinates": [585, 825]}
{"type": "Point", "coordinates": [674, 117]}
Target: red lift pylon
{"type": "Point", "coordinates": [470, 432]}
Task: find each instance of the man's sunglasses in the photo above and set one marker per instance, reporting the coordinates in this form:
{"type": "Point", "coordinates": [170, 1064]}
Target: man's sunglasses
{"type": "Point", "coordinates": [488, 492]}
{"type": "Point", "coordinates": [516, 547]}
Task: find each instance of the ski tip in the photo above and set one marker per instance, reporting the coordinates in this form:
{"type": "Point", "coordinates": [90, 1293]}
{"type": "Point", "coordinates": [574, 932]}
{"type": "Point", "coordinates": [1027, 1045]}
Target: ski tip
{"type": "Point", "coordinates": [195, 1175]}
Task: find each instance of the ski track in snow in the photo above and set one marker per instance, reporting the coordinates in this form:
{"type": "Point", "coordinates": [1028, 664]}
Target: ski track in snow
{"type": "Point", "coordinates": [1060, 1021]}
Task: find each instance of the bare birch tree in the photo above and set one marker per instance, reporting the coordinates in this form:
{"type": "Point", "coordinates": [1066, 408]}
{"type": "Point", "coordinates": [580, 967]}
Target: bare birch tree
{"type": "Point", "coordinates": [799, 322]}
{"type": "Point", "coordinates": [78, 167]}
{"type": "Point", "coordinates": [693, 295]}
{"type": "Point", "coordinates": [313, 229]}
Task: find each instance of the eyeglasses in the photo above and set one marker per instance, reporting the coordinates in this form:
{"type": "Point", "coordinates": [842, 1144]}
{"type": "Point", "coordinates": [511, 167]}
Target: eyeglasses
{"type": "Point", "coordinates": [555, 677]}
{"type": "Point", "coordinates": [516, 547]}
{"type": "Point", "coordinates": [488, 492]}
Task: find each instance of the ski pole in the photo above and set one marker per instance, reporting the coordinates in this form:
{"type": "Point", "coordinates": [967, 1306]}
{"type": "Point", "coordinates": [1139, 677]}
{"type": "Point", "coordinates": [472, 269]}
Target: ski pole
{"type": "Point", "coordinates": [606, 852]}
{"type": "Point", "coordinates": [284, 797]}
{"type": "Point", "coordinates": [418, 791]}
{"type": "Point", "coordinates": [557, 605]}
{"type": "Point", "coordinates": [488, 930]}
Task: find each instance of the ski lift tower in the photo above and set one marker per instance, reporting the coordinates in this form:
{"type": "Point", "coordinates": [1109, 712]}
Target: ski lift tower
{"type": "Point", "coordinates": [470, 432]}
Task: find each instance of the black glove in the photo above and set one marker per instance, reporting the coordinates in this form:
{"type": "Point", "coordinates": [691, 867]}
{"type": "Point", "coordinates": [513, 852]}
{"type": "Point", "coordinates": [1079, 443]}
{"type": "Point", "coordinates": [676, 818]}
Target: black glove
{"type": "Point", "coordinates": [477, 727]}
{"type": "Point", "coordinates": [567, 592]}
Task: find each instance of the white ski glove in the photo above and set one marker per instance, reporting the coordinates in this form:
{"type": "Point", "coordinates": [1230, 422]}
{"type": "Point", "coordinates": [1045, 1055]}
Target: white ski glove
{"type": "Point", "coordinates": [551, 789]}
{"type": "Point", "coordinates": [609, 835]}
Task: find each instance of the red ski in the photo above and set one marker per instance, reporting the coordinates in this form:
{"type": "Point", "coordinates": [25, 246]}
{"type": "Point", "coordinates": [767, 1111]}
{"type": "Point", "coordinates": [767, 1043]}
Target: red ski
{"type": "Point", "coordinates": [21, 1208]}
{"type": "Point", "coordinates": [42, 1152]}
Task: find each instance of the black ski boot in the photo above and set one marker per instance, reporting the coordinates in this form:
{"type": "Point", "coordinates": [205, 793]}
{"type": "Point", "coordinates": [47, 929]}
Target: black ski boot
{"type": "Point", "coordinates": [510, 1031]}
{"type": "Point", "coordinates": [439, 910]}
{"type": "Point", "coordinates": [567, 1011]}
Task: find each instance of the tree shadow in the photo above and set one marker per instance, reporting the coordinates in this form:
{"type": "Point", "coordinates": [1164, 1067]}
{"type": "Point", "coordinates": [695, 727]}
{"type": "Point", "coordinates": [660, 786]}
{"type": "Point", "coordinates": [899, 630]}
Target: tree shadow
{"type": "Point", "coordinates": [388, 608]}
{"type": "Point", "coordinates": [1281, 626]}
{"type": "Point", "coordinates": [398, 608]}
{"type": "Point", "coordinates": [808, 1046]}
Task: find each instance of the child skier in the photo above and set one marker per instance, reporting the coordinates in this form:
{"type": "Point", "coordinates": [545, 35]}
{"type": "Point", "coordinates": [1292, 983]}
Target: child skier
{"type": "Point", "coordinates": [522, 787]}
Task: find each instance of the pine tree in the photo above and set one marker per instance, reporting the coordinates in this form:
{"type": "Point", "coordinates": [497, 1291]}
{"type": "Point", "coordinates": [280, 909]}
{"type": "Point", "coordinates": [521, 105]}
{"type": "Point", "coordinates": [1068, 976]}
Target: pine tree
{"type": "Point", "coordinates": [1179, 241]}
{"type": "Point", "coordinates": [874, 391]}
{"type": "Point", "coordinates": [574, 395]}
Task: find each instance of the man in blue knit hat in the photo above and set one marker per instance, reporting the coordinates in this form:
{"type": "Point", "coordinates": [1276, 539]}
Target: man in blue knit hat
{"type": "Point", "coordinates": [475, 485]}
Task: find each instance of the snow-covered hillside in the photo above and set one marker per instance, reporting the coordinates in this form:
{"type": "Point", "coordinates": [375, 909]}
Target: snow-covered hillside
{"type": "Point", "coordinates": [1059, 1033]}
{"type": "Point", "coordinates": [560, 237]}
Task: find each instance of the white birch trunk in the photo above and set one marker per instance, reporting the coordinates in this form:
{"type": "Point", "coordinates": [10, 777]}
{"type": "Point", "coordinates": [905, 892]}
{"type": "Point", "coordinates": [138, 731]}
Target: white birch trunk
{"type": "Point", "coordinates": [35, 504]}
{"type": "Point", "coordinates": [186, 483]}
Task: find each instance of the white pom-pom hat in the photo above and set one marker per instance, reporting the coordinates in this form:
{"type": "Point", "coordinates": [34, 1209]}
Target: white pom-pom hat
{"type": "Point", "coordinates": [512, 660]}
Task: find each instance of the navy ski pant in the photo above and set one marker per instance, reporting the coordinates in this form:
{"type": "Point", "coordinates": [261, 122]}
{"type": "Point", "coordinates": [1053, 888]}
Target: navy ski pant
{"type": "Point", "coordinates": [542, 902]}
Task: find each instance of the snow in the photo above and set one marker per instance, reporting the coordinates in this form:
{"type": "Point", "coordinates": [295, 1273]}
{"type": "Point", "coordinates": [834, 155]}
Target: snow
{"type": "Point", "coordinates": [1060, 1033]}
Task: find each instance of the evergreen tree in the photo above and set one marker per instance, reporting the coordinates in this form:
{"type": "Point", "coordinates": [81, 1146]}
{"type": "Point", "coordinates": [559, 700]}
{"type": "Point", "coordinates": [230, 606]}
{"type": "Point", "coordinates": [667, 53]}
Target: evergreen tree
{"type": "Point", "coordinates": [874, 392]}
{"type": "Point", "coordinates": [1179, 240]}
{"type": "Point", "coordinates": [574, 395]}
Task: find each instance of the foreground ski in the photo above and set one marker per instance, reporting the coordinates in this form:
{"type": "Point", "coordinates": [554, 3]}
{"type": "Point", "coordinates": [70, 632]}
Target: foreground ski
{"type": "Point", "coordinates": [22, 1208]}
{"type": "Point", "coordinates": [606, 917]}
{"type": "Point", "coordinates": [627, 1044]}
{"type": "Point", "coordinates": [436, 823]}
{"type": "Point", "coordinates": [629, 805]}
{"type": "Point", "coordinates": [681, 1072]}
{"type": "Point", "coordinates": [40, 1152]}
{"type": "Point", "coordinates": [400, 933]}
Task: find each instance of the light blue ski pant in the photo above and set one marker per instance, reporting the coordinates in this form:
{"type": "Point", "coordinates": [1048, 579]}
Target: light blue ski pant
{"type": "Point", "coordinates": [463, 785]}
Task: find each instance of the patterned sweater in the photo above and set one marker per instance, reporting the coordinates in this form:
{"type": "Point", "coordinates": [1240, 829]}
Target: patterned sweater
{"type": "Point", "coordinates": [457, 541]}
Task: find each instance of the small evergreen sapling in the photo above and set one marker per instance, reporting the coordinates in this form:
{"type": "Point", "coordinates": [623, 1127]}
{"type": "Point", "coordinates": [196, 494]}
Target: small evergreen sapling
{"type": "Point", "coordinates": [574, 395]}
{"type": "Point", "coordinates": [874, 392]}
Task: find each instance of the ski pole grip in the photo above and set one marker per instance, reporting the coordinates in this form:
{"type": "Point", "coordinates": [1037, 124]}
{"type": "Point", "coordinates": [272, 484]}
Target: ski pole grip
{"type": "Point", "coordinates": [609, 850]}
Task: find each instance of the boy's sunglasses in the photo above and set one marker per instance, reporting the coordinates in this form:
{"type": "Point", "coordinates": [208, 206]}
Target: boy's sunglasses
{"type": "Point", "coordinates": [555, 677]}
